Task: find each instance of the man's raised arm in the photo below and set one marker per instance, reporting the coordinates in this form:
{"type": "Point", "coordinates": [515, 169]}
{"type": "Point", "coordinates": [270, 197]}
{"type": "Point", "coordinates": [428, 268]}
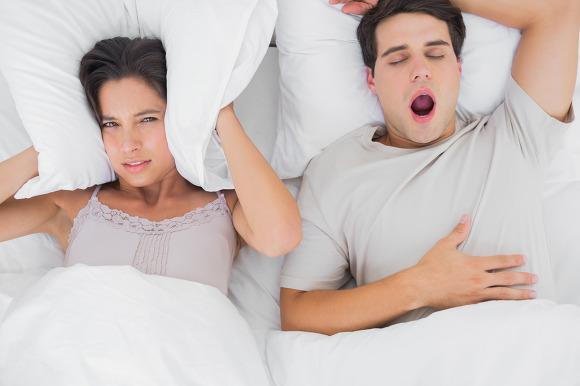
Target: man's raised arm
{"type": "Point", "coordinates": [546, 61]}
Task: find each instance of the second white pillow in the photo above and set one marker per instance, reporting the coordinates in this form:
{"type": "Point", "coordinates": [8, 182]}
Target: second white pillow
{"type": "Point", "coordinates": [323, 91]}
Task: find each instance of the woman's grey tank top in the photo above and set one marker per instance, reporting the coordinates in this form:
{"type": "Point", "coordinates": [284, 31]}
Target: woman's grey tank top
{"type": "Point", "coordinates": [198, 246]}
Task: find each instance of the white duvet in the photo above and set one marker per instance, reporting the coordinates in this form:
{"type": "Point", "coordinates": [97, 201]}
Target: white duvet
{"type": "Point", "coordinates": [116, 326]}
{"type": "Point", "coordinates": [495, 343]}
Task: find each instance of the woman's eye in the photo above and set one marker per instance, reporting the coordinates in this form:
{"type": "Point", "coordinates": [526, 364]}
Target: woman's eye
{"type": "Point", "coordinates": [149, 119]}
{"type": "Point", "coordinates": [109, 124]}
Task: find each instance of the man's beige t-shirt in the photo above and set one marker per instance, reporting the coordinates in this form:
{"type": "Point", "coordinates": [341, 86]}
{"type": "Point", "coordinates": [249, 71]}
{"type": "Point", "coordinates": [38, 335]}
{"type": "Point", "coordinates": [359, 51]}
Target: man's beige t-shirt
{"type": "Point", "coordinates": [371, 210]}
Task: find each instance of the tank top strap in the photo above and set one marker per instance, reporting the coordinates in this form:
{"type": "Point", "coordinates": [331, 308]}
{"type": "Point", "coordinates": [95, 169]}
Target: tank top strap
{"type": "Point", "coordinates": [223, 202]}
{"type": "Point", "coordinates": [95, 192]}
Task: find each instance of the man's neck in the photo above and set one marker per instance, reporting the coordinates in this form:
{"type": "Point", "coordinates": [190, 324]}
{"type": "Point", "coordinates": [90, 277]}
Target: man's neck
{"type": "Point", "coordinates": [394, 139]}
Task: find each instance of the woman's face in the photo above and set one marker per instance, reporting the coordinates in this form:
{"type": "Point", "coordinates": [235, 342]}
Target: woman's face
{"type": "Point", "coordinates": [133, 129]}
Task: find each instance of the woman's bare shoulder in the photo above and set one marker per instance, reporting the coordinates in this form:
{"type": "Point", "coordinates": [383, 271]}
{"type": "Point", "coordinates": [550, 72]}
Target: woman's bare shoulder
{"type": "Point", "coordinates": [72, 201]}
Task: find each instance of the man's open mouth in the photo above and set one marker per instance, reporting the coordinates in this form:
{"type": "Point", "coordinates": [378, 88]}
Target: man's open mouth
{"type": "Point", "coordinates": [423, 105]}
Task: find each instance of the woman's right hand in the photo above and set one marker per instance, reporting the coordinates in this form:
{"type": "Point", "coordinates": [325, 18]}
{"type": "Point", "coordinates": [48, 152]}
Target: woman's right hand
{"type": "Point", "coordinates": [16, 171]}
{"type": "Point", "coordinates": [18, 218]}
{"type": "Point", "coordinates": [449, 278]}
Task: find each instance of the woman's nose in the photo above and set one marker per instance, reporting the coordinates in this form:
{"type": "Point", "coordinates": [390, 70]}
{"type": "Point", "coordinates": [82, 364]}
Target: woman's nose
{"type": "Point", "coordinates": [131, 141]}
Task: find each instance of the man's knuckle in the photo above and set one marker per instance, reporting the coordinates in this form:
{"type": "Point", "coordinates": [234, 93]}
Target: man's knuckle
{"type": "Point", "coordinates": [476, 281]}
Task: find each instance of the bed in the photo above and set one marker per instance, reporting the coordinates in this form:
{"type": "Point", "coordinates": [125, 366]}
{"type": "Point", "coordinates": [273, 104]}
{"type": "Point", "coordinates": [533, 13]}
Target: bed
{"type": "Point", "coordinates": [115, 326]}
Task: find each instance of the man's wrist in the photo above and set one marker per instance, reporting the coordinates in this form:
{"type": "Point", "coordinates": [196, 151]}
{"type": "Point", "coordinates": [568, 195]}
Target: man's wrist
{"type": "Point", "coordinates": [413, 284]}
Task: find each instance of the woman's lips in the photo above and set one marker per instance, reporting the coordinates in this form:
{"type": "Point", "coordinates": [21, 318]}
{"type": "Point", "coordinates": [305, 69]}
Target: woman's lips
{"type": "Point", "coordinates": [136, 166]}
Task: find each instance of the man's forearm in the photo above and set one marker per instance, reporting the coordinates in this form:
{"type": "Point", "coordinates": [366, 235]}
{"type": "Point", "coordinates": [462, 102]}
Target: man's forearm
{"type": "Point", "coordinates": [368, 306]}
{"type": "Point", "coordinates": [518, 14]}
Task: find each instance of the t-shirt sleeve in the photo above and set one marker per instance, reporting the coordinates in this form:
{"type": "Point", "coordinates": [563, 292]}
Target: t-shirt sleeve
{"type": "Point", "coordinates": [319, 262]}
{"type": "Point", "coordinates": [538, 134]}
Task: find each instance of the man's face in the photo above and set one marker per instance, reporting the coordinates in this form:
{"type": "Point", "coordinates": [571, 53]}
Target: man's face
{"type": "Point", "coordinates": [416, 78]}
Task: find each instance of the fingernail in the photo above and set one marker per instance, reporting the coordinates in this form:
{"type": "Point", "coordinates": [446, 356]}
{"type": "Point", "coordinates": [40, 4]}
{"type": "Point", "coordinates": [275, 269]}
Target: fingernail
{"type": "Point", "coordinates": [534, 279]}
{"type": "Point", "coordinates": [523, 259]}
{"type": "Point", "coordinates": [533, 294]}
{"type": "Point", "coordinates": [464, 219]}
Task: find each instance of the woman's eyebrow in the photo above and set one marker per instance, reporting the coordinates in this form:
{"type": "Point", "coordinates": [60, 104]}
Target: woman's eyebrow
{"type": "Point", "coordinates": [148, 111]}
{"type": "Point", "coordinates": [144, 112]}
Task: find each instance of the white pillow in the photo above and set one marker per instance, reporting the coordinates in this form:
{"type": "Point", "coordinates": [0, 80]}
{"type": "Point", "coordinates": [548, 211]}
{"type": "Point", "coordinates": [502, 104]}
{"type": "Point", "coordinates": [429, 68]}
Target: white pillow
{"type": "Point", "coordinates": [323, 84]}
{"type": "Point", "coordinates": [14, 138]}
{"type": "Point", "coordinates": [35, 252]}
{"type": "Point", "coordinates": [213, 49]}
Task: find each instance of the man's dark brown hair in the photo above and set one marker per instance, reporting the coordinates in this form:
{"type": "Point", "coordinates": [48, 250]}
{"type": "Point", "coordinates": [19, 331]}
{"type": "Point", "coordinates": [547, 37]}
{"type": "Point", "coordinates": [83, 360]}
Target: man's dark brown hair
{"type": "Point", "coordinates": [440, 9]}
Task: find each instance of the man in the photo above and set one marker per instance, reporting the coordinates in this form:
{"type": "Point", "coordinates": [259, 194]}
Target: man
{"type": "Point", "coordinates": [376, 202]}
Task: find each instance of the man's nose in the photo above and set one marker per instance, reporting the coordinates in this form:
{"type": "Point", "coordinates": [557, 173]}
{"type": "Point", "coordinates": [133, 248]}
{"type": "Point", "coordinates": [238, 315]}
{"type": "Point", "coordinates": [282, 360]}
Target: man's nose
{"type": "Point", "coordinates": [421, 70]}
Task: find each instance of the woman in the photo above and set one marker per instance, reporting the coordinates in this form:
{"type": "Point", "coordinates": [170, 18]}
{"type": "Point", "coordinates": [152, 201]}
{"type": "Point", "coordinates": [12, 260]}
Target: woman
{"type": "Point", "coordinates": [151, 217]}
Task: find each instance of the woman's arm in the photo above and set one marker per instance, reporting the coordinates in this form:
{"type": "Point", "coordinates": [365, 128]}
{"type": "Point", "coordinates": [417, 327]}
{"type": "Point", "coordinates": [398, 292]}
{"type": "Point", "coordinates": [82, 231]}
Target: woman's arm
{"type": "Point", "coordinates": [23, 217]}
{"type": "Point", "coordinates": [15, 171]}
{"type": "Point", "coordinates": [266, 215]}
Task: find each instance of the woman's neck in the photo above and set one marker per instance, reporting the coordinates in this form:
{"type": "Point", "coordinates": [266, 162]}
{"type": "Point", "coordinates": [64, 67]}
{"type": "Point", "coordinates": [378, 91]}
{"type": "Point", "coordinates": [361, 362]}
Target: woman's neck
{"type": "Point", "coordinates": [172, 184]}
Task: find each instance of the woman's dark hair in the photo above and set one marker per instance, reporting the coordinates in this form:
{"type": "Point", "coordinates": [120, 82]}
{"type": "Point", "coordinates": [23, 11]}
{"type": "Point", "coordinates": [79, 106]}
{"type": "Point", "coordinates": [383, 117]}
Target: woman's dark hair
{"type": "Point", "coordinates": [121, 57]}
{"type": "Point", "coordinates": [440, 9]}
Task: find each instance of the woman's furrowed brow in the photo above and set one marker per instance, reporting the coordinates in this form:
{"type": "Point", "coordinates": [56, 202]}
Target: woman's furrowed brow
{"type": "Point", "coordinates": [148, 111]}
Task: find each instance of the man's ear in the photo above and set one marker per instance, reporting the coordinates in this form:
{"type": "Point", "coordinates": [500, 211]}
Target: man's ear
{"type": "Point", "coordinates": [371, 80]}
